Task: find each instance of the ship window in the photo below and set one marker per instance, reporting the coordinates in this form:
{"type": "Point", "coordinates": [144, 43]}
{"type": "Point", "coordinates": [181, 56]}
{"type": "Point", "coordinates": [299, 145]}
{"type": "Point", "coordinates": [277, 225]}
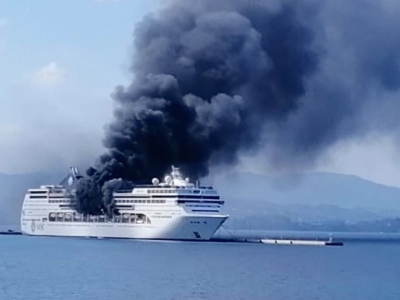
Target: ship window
{"type": "Point", "coordinates": [38, 192]}
{"type": "Point", "coordinates": [57, 191]}
{"type": "Point", "coordinates": [125, 218]}
{"type": "Point", "coordinates": [77, 217]}
{"type": "Point", "coordinates": [93, 219]}
{"type": "Point", "coordinates": [38, 197]}
{"type": "Point", "coordinates": [52, 217]}
{"type": "Point", "coordinates": [139, 219]}
{"type": "Point", "coordinates": [133, 218]}
{"type": "Point", "coordinates": [60, 217]}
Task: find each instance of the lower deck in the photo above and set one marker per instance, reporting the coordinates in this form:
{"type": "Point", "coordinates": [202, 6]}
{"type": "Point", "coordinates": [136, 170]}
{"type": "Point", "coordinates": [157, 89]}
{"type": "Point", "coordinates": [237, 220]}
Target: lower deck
{"type": "Point", "coordinates": [190, 227]}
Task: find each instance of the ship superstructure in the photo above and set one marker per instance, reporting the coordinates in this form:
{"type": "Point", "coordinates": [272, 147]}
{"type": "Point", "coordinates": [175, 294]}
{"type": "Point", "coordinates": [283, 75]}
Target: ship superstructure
{"type": "Point", "coordinates": [173, 209]}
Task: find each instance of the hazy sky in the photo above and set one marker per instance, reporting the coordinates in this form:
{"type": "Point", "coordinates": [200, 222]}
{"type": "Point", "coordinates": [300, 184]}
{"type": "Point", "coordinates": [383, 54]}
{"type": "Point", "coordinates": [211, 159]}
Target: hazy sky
{"type": "Point", "coordinates": [59, 62]}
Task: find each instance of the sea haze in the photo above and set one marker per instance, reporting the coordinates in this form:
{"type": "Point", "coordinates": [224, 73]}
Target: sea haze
{"type": "Point", "coordinates": [69, 268]}
{"type": "Point", "coordinates": [313, 201]}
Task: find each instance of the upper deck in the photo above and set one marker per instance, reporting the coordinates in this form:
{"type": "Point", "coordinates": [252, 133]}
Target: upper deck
{"type": "Point", "coordinates": [172, 184]}
{"type": "Point", "coordinates": [173, 188]}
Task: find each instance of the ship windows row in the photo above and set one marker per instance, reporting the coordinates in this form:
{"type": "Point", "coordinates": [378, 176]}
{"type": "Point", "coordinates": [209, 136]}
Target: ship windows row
{"type": "Point", "coordinates": [122, 218]}
{"type": "Point", "coordinates": [50, 201]}
{"type": "Point", "coordinates": [60, 201]}
{"type": "Point", "coordinates": [46, 191]}
{"type": "Point", "coordinates": [161, 191]}
{"type": "Point", "coordinates": [37, 197]}
{"type": "Point", "coordinates": [117, 201]}
{"type": "Point", "coordinates": [173, 191]}
{"type": "Point", "coordinates": [140, 201]}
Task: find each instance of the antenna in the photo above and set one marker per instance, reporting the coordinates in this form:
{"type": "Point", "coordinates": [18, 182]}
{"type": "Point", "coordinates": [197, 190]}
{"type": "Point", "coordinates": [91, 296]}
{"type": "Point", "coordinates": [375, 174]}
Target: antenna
{"type": "Point", "coordinates": [71, 177]}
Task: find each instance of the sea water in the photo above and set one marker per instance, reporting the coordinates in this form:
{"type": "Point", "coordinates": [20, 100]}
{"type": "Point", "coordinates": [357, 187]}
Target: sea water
{"type": "Point", "coordinates": [72, 268]}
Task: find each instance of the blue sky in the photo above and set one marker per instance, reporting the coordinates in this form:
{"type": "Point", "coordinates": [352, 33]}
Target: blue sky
{"type": "Point", "coordinates": [59, 63]}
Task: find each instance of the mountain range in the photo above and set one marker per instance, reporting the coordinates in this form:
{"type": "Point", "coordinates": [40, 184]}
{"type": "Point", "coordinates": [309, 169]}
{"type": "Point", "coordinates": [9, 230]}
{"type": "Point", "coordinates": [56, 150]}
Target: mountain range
{"type": "Point", "coordinates": [313, 198]}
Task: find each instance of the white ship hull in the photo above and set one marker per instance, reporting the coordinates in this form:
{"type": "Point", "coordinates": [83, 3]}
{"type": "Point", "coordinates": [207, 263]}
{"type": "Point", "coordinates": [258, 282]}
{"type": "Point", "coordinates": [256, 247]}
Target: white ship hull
{"type": "Point", "coordinates": [179, 228]}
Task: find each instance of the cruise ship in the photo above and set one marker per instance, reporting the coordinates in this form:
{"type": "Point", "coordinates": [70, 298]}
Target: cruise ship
{"type": "Point", "coordinates": [174, 209]}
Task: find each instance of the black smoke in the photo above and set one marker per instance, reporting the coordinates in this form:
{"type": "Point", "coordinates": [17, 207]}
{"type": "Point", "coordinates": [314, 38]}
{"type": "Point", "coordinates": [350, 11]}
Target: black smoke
{"type": "Point", "coordinates": [213, 79]}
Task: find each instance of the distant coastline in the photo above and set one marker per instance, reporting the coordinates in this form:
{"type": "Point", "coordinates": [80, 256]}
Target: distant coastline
{"type": "Point", "coordinates": [281, 223]}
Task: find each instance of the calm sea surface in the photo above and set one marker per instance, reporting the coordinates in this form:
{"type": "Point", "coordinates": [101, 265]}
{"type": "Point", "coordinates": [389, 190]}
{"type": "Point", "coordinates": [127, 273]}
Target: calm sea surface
{"type": "Point", "coordinates": [68, 268]}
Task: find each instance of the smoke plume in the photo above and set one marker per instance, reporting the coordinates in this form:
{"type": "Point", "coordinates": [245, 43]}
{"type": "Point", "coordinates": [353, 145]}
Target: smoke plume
{"type": "Point", "coordinates": [213, 79]}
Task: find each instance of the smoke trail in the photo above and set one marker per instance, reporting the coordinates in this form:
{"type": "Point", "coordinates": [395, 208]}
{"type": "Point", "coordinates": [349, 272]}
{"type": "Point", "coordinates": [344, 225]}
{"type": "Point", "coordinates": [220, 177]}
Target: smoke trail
{"type": "Point", "coordinates": [88, 193]}
{"type": "Point", "coordinates": [206, 76]}
{"type": "Point", "coordinates": [107, 190]}
{"type": "Point", "coordinates": [215, 78]}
